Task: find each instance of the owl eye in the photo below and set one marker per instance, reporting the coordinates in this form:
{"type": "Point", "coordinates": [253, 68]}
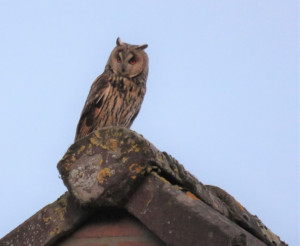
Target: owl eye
{"type": "Point", "coordinates": [132, 61]}
{"type": "Point", "coordinates": [118, 59]}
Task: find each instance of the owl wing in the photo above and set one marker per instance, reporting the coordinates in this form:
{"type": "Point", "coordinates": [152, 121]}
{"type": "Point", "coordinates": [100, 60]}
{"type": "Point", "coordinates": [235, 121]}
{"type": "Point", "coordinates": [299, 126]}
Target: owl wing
{"type": "Point", "coordinates": [88, 119]}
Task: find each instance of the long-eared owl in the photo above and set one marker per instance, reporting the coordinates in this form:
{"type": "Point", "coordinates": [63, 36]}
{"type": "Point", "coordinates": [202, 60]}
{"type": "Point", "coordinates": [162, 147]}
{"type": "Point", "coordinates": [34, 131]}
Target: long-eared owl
{"type": "Point", "coordinates": [116, 95]}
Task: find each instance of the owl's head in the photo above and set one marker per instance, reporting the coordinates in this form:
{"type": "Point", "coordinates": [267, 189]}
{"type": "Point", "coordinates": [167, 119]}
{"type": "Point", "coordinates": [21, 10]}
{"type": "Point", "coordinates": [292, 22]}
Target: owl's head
{"type": "Point", "coordinates": [128, 60]}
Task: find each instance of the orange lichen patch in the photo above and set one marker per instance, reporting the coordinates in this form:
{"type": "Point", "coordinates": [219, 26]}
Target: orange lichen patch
{"type": "Point", "coordinates": [68, 166]}
{"type": "Point", "coordinates": [66, 156]}
{"type": "Point", "coordinates": [149, 169]}
{"type": "Point", "coordinates": [95, 141]}
{"type": "Point", "coordinates": [135, 168]}
{"type": "Point", "coordinates": [109, 144]}
{"type": "Point", "coordinates": [112, 144]}
{"type": "Point", "coordinates": [114, 134]}
{"type": "Point", "coordinates": [138, 169]}
{"type": "Point", "coordinates": [47, 219]}
{"type": "Point", "coordinates": [61, 207]}
{"type": "Point", "coordinates": [161, 157]}
{"type": "Point", "coordinates": [100, 162]}
{"type": "Point", "coordinates": [73, 158]}
{"type": "Point", "coordinates": [111, 133]}
{"type": "Point", "coordinates": [178, 187]}
{"type": "Point", "coordinates": [132, 167]}
{"type": "Point", "coordinates": [240, 205]}
{"type": "Point", "coordinates": [161, 178]}
{"type": "Point", "coordinates": [102, 174]}
{"type": "Point", "coordinates": [97, 134]}
{"type": "Point", "coordinates": [60, 211]}
{"type": "Point", "coordinates": [55, 231]}
{"type": "Point", "coordinates": [134, 148]}
{"type": "Point", "coordinates": [191, 195]}
{"type": "Point", "coordinates": [89, 151]}
{"type": "Point", "coordinates": [82, 147]}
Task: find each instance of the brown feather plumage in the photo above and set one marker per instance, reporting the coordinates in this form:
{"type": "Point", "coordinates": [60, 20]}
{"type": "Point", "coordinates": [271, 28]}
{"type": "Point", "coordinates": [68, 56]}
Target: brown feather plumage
{"type": "Point", "coordinates": [116, 95]}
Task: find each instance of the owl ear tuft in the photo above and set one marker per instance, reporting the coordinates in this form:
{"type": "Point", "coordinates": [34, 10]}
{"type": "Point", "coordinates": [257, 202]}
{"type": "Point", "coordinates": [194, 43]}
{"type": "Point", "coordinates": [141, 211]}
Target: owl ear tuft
{"type": "Point", "coordinates": [119, 41]}
{"type": "Point", "coordinates": [142, 47]}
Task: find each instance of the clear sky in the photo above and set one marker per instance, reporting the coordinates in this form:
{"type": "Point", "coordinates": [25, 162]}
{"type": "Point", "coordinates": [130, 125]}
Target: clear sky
{"type": "Point", "coordinates": [222, 95]}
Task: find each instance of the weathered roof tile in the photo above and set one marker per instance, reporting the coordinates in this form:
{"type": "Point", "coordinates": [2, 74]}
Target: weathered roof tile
{"type": "Point", "coordinates": [117, 167]}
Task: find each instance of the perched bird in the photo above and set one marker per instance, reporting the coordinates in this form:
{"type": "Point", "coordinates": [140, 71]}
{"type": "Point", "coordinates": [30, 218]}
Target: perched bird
{"type": "Point", "coordinates": [116, 95]}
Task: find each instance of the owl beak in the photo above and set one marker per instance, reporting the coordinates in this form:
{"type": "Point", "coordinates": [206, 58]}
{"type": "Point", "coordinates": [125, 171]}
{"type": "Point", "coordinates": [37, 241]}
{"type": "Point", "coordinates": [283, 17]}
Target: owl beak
{"type": "Point", "coordinates": [123, 69]}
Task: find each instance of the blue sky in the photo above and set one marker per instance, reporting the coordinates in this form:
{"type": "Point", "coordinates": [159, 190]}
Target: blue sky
{"type": "Point", "coordinates": [222, 95]}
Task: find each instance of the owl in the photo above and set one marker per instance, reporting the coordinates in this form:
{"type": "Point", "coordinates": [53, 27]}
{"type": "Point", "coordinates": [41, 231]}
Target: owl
{"type": "Point", "coordinates": [116, 95]}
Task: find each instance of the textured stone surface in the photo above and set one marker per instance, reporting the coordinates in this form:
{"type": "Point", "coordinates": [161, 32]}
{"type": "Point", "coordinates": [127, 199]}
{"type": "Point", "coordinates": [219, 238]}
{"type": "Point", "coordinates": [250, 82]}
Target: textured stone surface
{"type": "Point", "coordinates": [108, 165]}
{"type": "Point", "coordinates": [116, 167]}
{"type": "Point", "coordinates": [105, 167]}
{"type": "Point", "coordinates": [52, 222]}
{"type": "Point", "coordinates": [182, 220]}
